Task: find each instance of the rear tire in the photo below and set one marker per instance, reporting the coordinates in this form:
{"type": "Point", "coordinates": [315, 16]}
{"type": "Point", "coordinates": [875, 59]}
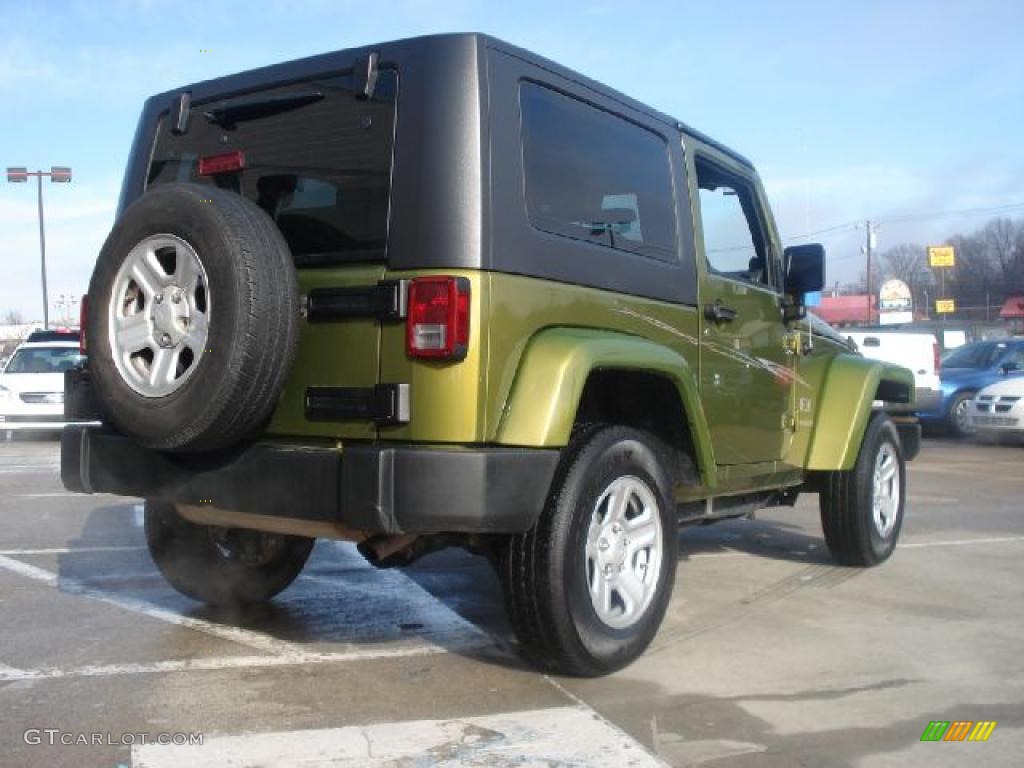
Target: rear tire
{"type": "Point", "coordinates": [585, 598]}
{"type": "Point", "coordinates": [862, 509]}
{"type": "Point", "coordinates": [222, 566]}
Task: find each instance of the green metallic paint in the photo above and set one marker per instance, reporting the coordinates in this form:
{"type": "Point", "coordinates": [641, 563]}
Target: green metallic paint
{"type": "Point", "coordinates": [331, 355]}
{"type": "Point", "coordinates": [847, 394]}
{"type": "Point", "coordinates": [542, 407]}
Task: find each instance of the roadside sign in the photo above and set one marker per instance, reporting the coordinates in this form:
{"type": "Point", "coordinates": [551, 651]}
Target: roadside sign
{"type": "Point", "coordinates": [941, 256]}
{"type": "Point", "coordinates": [945, 306]}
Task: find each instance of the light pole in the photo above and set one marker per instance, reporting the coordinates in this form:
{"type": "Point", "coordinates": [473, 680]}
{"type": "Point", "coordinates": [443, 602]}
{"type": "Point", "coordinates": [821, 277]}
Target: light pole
{"type": "Point", "coordinates": [61, 175]}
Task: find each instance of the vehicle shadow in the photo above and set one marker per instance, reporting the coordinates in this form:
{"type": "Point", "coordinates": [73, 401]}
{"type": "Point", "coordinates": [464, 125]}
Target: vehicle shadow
{"type": "Point", "coordinates": [340, 603]}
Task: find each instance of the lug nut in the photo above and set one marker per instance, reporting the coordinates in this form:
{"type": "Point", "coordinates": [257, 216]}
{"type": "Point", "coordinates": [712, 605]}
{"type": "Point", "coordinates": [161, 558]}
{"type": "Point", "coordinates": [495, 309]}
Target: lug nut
{"type": "Point", "coordinates": [602, 544]}
{"type": "Point", "coordinates": [176, 297]}
{"type": "Point", "coordinates": [616, 528]}
{"type": "Point", "coordinates": [608, 568]}
{"type": "Point", "coordinates": [159, 298]}
{"type": "Point", "coordinates": [165, 340]}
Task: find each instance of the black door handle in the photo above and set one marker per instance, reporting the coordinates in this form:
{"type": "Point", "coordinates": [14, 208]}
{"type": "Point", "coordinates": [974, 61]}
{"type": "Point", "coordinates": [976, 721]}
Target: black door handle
{"type": "Point", "coordinates": [719, 313]}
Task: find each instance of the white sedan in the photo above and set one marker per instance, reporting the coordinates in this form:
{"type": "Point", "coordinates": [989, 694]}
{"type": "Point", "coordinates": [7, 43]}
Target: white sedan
{"type": "Point", "coordinates": [32, 385]}
{"type": "Point", "coordinates": [998, 409]}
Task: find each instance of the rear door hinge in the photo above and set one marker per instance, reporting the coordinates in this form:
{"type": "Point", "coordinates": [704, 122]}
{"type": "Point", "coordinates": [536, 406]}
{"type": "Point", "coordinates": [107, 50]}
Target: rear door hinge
{"type": "Point", "coordinates": [384, 301]}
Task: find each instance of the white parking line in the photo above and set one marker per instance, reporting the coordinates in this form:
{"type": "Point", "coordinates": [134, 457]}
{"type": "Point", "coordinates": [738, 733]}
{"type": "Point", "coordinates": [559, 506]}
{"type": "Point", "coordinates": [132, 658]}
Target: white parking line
{"type": "Point", "coordinates": [960, 542]}
{"type": "Point", "coordinates": [254, 640]}
{"type": "Point", "coordinates": [562, 736]}
{"type": "Point", "coordinates": [54, 495]}
{"type": "Point", "coordinates": [907, 545]}
{"type": "Point", "coordinates": [383, 614]}
{"type": "Point", "coordinates": [11, 674]}
{"type": "Point", "coordinates": [68, 550]}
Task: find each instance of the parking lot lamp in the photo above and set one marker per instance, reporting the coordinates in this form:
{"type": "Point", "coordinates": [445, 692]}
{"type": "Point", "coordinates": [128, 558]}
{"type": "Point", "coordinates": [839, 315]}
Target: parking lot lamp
{"type": "Point", "coordinates": [61, 175]}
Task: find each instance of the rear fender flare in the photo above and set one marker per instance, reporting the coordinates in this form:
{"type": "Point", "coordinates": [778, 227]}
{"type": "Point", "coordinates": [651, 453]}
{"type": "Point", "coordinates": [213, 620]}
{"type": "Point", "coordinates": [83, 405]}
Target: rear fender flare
{"type": "Point", "coordinates": [545, 395]}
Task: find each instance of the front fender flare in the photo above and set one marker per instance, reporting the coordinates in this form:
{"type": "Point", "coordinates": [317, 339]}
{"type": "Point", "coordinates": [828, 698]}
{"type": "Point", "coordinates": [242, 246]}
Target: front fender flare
{"type": "Point", "coordinates": [553, 371]}
{"type": "Point", "coordinates": [851, 386]}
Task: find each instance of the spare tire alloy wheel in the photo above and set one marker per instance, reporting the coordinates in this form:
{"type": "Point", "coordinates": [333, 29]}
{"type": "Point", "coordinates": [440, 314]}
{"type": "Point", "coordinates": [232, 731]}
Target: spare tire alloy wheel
{"type": "Point", "coordinates": [159, 316]}
{"type": "Point", "coordinates": [194, 319]}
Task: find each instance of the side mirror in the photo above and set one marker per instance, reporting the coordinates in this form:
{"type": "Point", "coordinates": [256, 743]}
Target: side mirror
{"type": "Point", "coordinates": [805, 269]}
{"type": "Point", "coordinates": [1008, 368]}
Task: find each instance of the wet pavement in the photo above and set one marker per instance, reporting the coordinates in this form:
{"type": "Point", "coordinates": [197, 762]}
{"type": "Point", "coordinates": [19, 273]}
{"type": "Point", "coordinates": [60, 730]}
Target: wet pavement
{"type": "Point", "coordinates": [769, 656]}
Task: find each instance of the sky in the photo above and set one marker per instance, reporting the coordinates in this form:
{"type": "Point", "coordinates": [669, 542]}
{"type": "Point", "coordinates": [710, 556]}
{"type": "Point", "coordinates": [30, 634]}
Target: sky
{"type": "Point", "coordinates": [885, 109]}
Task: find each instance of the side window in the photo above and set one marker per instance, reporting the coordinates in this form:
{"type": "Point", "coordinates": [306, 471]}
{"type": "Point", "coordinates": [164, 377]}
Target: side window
{"type": "Point", "coordinates": [734, 242]}
{"type": "Point", "coordinates": [593, 176]}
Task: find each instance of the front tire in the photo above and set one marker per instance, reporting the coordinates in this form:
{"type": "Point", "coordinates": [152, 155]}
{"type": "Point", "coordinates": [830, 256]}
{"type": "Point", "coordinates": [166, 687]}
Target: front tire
{"type": "Point", "coordinates": [587, 587]}
{"type": "Point", "coordinates": [222, 566]}
{"type": "Point", "coordinates": [862, 508]}
{"type": "Point", "coordinates": [959, 418]}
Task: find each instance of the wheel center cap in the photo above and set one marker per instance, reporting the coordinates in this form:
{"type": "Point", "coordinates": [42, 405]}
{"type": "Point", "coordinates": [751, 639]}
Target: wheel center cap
{"type": "Point", "coordinates": [611, 549]}
{"type": "Point", "coordinates": [170, 316]}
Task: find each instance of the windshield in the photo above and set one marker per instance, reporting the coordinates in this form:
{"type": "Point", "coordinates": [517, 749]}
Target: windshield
{"type": "Point", "coordinates": [317, 159]}
{"type": "Point", "coordinates": [45, 360]}
{"type": "Point", "coordinates": [982, 354]}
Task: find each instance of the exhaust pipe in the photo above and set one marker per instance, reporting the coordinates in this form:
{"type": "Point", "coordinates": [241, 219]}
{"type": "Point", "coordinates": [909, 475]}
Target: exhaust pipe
{"type": "Point", "coordinates": [387, 551]}
{"type": "Point", "coordinates": [395, 551]}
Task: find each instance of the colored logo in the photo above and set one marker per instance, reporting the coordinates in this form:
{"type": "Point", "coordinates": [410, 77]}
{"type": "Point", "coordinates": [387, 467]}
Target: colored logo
{"type": "Point", "coordinates": [958, 730]}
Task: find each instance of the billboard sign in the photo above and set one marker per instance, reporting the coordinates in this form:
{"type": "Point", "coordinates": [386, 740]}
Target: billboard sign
{"type": "Point", "coordinates": [941, 256]}
{"type": "Point", "coordinates": [895, 303]}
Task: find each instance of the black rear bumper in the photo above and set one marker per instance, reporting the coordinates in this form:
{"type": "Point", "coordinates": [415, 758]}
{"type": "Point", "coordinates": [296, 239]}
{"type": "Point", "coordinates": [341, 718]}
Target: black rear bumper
{"type": "Point", "coordinates": [372, 487]}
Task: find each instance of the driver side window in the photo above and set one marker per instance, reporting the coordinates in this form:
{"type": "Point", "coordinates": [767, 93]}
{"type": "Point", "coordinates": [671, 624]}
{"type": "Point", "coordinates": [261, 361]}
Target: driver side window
{"type": "Point", "coordinates": [734, 242]}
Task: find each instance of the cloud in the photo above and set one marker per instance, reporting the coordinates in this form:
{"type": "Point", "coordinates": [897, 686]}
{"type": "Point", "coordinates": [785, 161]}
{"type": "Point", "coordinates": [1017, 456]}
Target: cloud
{"type": "Point", "coordinates": [814, 199]}
{"type": "Point", "coordinates": [78, 218]}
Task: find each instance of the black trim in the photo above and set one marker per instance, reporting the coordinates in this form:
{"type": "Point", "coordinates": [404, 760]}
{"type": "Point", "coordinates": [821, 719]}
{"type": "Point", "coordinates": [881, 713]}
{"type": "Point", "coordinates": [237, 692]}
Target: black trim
{"type": "Point", "coordinates": [384, 301]}
{"type": "Point", "coordinates": [372, 487]}
{"type": "Point", "coordinates": [383, 403]}
{"type": "Point", "coordinates": [79, 396]}
{"type": "Point", "coordinates": [910, 438]}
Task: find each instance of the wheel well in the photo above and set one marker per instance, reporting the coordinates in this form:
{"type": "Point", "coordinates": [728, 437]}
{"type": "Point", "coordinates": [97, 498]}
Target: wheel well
{"type": "Point", "coordinates": [636, 399]}
{"type": "Point", "coordinates": [893, 391]}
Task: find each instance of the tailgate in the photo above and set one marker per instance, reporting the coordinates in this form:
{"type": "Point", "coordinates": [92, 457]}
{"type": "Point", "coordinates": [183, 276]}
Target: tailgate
{"type": "Point", "coordinates": [316, 155]}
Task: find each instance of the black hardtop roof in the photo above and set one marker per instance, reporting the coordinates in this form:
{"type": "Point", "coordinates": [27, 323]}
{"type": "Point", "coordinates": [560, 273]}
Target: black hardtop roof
{"type": "Point", "coordinates": [298, 69]}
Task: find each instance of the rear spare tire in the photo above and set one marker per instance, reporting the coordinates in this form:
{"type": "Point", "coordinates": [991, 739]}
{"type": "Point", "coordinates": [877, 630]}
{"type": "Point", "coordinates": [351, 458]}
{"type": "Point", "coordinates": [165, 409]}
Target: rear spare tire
{"type": "Point", "coordinates": [193, 318]}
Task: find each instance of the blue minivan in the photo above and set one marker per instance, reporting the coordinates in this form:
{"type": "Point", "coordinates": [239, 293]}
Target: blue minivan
{"type": "Point", "coordinates": [964, 372]}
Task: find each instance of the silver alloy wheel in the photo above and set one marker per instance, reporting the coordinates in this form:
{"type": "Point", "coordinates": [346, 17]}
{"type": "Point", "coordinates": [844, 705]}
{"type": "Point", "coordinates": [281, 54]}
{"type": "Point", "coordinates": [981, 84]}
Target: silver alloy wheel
{"type": "Point", "coordinates": [962, 417]}
{"type": "Point", "coordinates": [158, 319]}
{"type": "Point", "coordinates": [886, 485]}
{"type": "Point", "coordinates": [623, 552]}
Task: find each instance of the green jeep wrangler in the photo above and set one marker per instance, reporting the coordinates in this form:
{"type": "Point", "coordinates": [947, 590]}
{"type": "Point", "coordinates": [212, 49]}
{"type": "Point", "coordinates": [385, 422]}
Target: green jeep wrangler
{"type": "Point", "coordinates": [445, 292]}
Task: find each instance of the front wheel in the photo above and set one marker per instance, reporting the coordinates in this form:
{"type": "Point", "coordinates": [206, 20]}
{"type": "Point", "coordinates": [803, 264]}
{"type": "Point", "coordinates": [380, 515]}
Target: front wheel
{"type": "Point", "coordinates": [862, 508]}
{"type": "Point", "coordinates": [587, 587]}
{"type": "Point", "coordinates": [222, 566]}
{"type": "Point", "coordinates": [959, 419]}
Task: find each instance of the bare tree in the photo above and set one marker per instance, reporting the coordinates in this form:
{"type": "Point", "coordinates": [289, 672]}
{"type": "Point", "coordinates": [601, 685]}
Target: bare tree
{"type": "Point", "coordinates": [1004, 243]}
{"type": "Point", "coordinates": [13, 317]}
{"type": "Point", "coordinates": [904, 262]}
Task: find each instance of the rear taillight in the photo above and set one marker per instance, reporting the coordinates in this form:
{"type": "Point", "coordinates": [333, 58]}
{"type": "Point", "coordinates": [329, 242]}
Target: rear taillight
{"type": "Point", "coordinates": [83, 315]}
{"type": "Point", "coordinates": [228, 162]}
{"type": "Point", "coordinates": [438, 320]}
{"type": "Point", "coordinates": [936, 356]}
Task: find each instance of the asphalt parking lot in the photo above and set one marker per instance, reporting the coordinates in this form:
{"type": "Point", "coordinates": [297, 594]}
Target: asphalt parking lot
{"type": "Point", "coordinates": [769, 656]}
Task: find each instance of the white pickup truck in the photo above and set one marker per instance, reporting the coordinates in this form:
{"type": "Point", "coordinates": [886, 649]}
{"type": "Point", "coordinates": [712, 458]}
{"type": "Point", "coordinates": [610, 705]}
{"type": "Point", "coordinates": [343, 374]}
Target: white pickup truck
{"type": "Point", "coordinates": [916, 350]}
